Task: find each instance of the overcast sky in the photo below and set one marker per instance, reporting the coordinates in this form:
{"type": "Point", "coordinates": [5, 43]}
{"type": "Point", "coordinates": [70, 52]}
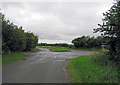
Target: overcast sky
{"type": "Point", "coordinates": [56, 21]}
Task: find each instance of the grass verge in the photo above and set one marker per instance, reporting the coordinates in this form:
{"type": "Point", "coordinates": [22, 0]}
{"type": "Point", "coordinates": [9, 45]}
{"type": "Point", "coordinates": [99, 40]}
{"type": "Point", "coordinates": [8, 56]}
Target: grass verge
{"type": "Point", "coordinates": [57, 48]}
{"type": "Point", "coordinates": [84, 70]}
{"type": "Point", "coordinates": [9, 58]}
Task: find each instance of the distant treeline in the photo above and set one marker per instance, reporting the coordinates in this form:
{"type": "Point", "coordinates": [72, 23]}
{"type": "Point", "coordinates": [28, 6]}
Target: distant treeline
{"type": "Point", "coordinates": [88, 42]}
{"type": "Point", "coordinates": [81, 42]}
{"type": "Point", "coordinates": [14, 38]}
{"type": "Point", "coordinates": [56, 44]}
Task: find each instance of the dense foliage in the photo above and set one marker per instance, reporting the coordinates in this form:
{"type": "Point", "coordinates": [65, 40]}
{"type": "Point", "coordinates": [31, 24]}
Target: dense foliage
{"type": "Point", "coordinates": [14, 38]}
{"type": "Point", "coordinates": [88, 42]}
{"type": "Point", "coordinates": [110, 29]}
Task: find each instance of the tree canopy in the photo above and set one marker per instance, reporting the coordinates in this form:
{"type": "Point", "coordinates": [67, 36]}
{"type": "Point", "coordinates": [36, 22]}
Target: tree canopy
{"type": "Point", "coordinates": [110, 29]}
{"type": "Point", "coordinates": [14, 38]}
{"type": "Point", "coordinates": [88, 42]}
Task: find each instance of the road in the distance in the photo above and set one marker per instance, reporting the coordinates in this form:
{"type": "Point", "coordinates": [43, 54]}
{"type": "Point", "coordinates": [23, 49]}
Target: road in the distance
{"type": "Point", "coordinates": [42, 67]}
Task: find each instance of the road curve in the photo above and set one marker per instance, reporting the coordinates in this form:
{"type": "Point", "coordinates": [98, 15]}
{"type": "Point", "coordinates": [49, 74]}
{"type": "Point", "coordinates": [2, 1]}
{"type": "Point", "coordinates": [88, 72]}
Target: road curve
{"type": "Point", "coordinates": [42, 67]}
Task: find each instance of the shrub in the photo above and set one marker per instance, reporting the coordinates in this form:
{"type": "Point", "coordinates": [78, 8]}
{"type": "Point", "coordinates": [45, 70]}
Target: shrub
{"type": "Point", "coordinates": [101, 57]}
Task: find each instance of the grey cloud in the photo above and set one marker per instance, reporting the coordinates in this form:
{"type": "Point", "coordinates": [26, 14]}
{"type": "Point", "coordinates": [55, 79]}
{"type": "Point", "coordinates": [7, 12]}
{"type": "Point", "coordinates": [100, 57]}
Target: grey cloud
{"type": "Point", "coordinates": [54, 21]}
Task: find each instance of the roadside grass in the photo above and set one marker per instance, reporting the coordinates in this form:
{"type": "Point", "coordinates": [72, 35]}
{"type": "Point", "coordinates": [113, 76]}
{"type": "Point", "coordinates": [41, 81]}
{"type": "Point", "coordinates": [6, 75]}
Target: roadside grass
{"type": "Point", "coordinates": [67, 49]}
{"type": "Point", "coordinates": [57, 48]}
{"type": "Point", "coordinates": [84, 70]}
{"type": "Point", "coordinates": [9, 58]}
{"type": "Point", "coordinates": [0, 59]}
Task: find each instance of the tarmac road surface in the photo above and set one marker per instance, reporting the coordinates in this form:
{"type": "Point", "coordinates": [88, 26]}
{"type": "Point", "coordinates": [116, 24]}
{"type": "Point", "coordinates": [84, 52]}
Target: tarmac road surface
{"type": "Point", "coordinates": [43, 66]}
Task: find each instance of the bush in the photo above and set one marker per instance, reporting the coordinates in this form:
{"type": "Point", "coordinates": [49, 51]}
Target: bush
{"type": "Point", "coordinates": [104, 58]}
{"type": "Point", "coordinates": [101, 57]}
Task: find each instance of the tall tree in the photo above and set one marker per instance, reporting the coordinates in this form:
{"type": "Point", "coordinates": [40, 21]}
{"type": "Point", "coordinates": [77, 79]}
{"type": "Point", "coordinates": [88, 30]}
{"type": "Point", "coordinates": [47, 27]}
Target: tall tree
{"type": "Point", "coordinates": [14, 38]}
{"type": "Point", "coordinates": [110, 29]}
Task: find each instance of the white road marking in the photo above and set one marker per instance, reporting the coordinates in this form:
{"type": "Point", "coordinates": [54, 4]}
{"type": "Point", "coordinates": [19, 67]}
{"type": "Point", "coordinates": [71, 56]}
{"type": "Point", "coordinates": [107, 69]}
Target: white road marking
{"type": "Point", "coordinates": [60, 60]}
{"type": "Point", "coordinates": [65, 74]}
{"type": "Point", "coordinates": [41, 59]}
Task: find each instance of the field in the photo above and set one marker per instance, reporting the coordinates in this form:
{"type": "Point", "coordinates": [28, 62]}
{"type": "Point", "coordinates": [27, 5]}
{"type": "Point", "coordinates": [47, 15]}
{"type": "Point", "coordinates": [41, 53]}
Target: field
{"type": "Point", "coordinates": [84, 70]}
{"type": "Point", "coordinates": [67, 49]}
{"type": "Point", "coordinates": [57, 48]}
{"type": "Point", "coordinates": [9, 58]}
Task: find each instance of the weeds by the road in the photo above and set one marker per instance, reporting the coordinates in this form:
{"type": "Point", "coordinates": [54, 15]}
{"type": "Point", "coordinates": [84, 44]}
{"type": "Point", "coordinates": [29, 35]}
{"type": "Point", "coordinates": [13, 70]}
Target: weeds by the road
{"type": "Point", "coordinates": [9, 58]}
{"type": "Point", "coordinates": [84, 70]}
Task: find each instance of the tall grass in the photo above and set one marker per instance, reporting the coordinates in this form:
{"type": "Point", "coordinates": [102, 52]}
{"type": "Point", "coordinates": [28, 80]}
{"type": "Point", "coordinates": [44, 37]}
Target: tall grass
{"type": "Point", "coordinates": [101, 57]}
